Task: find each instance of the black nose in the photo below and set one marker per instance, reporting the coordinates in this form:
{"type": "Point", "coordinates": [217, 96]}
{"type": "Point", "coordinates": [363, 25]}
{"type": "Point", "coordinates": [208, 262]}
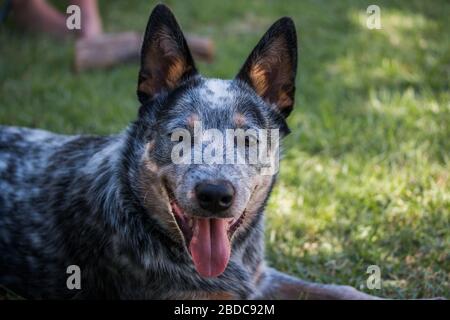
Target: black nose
{"type": "Point", "coordinates": [215, 196]}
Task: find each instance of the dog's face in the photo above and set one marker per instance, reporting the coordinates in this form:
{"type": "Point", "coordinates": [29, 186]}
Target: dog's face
{"type": "Point", "coordinates": [190, 177]}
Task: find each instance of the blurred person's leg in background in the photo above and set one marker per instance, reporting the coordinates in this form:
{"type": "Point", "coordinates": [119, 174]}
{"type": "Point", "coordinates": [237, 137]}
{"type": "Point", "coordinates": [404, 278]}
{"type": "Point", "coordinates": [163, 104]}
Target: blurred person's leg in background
{"type": "Point", "coordinates": [91, 23]}
{"type": "Point", "coordinates": [41, 16]}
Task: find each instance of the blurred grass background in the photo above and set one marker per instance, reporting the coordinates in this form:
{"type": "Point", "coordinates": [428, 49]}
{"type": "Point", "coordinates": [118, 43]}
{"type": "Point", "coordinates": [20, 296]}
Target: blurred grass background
{"type": "Point", "coordinates": [365, 179]}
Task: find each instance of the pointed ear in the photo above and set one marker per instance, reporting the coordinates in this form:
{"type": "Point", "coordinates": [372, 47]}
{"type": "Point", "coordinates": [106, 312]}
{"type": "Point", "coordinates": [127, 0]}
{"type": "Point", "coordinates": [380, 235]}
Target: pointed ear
{"type": "Point", "coordinates": [165, 57]}
{"type": "Point", "coordinates": [272, 66]}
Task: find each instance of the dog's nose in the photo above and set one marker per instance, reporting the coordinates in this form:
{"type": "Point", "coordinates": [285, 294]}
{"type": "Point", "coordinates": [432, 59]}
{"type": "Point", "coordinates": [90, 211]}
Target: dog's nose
{"type": "Point", "coordinates": [215, 196]}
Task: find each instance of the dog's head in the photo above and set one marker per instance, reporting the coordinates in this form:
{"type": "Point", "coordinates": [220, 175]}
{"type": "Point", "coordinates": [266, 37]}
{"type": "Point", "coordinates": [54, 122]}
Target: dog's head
{"type": "Point", "coordinates": [196, 130]}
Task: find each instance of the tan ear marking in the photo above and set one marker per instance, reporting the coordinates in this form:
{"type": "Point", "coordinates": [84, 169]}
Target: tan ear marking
{"type": "Point", "coordinates": [284, 101]}
{"type": "Point", "coordinates": [259, 79]}
{"type": "Point", "coordinates": [147, 86]}
{"type": "Point", "coordinates": [270, 73]}
{"type": "Point", "coordinates": [175, 72]}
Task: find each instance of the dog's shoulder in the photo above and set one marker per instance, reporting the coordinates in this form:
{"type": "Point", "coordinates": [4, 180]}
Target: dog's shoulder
{"type": "Point", "coordinates": [42, 176]}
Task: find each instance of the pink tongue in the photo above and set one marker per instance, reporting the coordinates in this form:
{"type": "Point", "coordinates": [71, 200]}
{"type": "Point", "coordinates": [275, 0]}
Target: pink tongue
{"type": "Point", "coordinates": [210, 247]}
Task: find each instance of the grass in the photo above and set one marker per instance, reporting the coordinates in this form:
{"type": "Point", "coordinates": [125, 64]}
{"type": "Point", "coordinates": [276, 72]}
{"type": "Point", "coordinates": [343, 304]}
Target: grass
{"type": "Point", "coordinates": [365, 178]}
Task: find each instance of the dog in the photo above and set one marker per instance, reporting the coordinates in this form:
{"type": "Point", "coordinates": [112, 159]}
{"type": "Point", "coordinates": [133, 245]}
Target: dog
{"type": "Point", "coordinates": [136, 224]}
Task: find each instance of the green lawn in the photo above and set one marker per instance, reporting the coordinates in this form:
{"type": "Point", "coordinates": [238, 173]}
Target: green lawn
{"type": "Point", "coordinates": [365, 178]}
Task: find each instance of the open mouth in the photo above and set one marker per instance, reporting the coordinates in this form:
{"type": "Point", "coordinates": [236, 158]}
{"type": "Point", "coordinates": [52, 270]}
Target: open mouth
{"type": "Point", "coordinates": [208, 239]}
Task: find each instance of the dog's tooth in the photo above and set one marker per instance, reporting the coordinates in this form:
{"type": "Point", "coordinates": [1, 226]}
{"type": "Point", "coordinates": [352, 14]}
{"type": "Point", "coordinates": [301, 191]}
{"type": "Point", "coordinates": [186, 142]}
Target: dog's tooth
{"type": "Point", "coordinates": [190, 222]}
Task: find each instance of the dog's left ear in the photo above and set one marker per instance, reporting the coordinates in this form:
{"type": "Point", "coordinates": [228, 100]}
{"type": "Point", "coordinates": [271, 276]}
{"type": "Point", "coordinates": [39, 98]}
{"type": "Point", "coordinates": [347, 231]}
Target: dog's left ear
{"type": "Point", "coordinates": [165, 57]}
{"type": "Point", "coordinates": [272, 66]}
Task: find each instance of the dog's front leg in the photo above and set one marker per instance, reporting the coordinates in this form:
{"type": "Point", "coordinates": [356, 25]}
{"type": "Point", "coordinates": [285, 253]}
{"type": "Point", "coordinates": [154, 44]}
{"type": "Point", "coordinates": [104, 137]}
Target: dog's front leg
{"type": "Point", "coordinates": [277, 285]}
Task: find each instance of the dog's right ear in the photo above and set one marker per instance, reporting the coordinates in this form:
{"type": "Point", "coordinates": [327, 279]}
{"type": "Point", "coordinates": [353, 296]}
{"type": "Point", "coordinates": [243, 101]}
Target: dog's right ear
{"type": "Point", "coordinates": [272, 66]}
{"type": "Point", "coordinates": [165, 57]}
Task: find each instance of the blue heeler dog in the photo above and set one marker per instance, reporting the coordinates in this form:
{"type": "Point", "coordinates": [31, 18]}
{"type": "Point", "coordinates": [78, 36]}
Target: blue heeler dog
{"type": "Point", "coordinates": [138, 225]}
